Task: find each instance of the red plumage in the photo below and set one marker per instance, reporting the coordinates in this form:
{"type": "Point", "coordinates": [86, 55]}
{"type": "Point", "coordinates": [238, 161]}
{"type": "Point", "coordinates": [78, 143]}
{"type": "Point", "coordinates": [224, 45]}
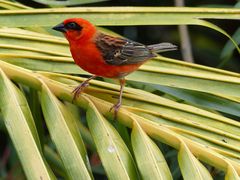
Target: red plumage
{"type": "Point", "coordinates": [104, 55]}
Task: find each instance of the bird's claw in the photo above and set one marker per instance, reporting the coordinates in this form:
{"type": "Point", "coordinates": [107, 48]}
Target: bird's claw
{"type": "Point", "coordinates": [78, 90]}
{"type": "Point", "coordinates": [116, 108]}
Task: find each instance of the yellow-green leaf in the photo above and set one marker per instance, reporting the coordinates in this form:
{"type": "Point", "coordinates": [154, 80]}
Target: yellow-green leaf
{"type": "Point", "coordinates": [150, 160]}
{"type": "Point", "coordinates": [190, 167]}
{"type": "Point", "coordinates": [21, 128]}
{"type": "Point", "coordinates": [114, 154]}
{"type": "Point", "coordinates": [64, 133]}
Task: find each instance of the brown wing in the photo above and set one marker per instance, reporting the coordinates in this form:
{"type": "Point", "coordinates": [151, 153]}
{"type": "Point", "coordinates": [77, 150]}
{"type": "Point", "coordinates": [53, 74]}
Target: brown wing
{"type": "Point", "coordinates": [121, 51]}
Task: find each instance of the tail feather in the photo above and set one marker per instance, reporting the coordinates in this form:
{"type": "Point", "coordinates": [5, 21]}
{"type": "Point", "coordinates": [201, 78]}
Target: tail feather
{"type": "Point", "coordinates": [162, 47]}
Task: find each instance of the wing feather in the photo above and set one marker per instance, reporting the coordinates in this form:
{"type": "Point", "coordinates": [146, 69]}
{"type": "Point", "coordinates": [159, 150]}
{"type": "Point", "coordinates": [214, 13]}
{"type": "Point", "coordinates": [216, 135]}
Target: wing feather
{"type": "Point", "coordinates": [121, 51]}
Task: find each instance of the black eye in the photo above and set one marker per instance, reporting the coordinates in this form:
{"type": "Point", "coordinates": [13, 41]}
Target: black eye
{"type": "Point", "coordinates": [73, 26]}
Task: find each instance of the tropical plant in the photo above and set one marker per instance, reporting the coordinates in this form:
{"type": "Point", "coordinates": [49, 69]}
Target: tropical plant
{"type": "Point", "coordinates": [174, 114]}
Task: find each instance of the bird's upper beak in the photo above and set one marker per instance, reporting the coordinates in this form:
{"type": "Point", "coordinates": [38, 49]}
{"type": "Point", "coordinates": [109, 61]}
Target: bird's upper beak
{"type": "Point", "coordinates": [60, 27]}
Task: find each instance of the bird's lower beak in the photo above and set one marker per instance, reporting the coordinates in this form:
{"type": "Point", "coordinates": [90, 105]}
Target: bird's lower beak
{"type": "Point", "coordinates": [60, 27]}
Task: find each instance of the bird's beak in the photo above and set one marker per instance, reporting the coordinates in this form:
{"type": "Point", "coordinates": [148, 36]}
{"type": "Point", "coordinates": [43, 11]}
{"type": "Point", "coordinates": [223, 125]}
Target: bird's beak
{"type": "Point", "coordinates": [60, 27]}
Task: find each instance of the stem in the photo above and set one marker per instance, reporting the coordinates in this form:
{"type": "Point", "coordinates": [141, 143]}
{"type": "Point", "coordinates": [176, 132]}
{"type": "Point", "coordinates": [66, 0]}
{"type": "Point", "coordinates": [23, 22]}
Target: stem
{"type": "Point", "coordinates": [185, 38]}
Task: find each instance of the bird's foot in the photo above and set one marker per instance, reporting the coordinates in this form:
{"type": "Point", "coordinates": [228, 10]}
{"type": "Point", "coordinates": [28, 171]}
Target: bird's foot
{"type": "Point", "coordinates": [116, 108]}
{"type": "Point", "coordinates": [79, 89]}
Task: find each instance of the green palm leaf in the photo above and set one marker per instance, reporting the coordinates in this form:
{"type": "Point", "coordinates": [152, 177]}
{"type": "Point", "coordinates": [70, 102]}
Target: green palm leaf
{"type": "Point", "coordinates": [33, 58]}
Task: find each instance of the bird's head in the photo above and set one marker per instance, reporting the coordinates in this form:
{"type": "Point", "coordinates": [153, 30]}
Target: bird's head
{"type": "Point", "coordinates": [76, 29]}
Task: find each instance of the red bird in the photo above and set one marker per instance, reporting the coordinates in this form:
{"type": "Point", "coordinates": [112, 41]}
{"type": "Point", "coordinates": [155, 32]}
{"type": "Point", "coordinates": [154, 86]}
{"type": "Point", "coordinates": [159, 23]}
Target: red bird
{"type": "Point", "coordinates": [103, 55]}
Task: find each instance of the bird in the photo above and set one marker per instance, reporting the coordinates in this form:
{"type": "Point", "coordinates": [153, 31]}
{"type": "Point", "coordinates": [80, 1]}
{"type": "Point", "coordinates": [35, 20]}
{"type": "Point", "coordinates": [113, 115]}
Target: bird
{"type": "Point", "coordinates": [103, 55]}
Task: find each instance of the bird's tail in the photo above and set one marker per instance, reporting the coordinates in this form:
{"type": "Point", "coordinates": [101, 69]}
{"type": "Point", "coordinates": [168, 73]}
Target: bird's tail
{"type": "Point", "coordinates": [162, 47]}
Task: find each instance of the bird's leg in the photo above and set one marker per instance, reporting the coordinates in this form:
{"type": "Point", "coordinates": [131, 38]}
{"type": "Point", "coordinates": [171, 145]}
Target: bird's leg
{"type": "Point", "coordinates": [77, 91]}
{"type": "Point", "coordinates": [117, 106]}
